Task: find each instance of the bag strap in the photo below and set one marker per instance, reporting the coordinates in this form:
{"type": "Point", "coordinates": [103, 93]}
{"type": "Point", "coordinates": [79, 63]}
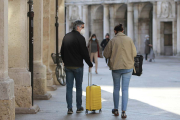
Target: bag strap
{"type": "Point", "coordinates": [134, 69]}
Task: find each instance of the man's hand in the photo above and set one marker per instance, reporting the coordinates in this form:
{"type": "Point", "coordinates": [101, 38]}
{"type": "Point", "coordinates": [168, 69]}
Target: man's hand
{"type": "Point", "coordinates": [90, 68]}
{"type": "Point", "coordinates": [150, 45]}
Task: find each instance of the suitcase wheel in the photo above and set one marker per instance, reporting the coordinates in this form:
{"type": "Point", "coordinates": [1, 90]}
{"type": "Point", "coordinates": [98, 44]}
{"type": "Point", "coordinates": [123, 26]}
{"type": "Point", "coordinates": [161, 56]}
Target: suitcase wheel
{"type": "Point", "coordinates": [100, 111]}
{"type": "Point", "coordinates": [86, 111]}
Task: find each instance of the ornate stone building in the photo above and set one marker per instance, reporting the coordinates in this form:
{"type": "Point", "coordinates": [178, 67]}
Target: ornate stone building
{"type": "Point", "coordinates": [15, 78]}
{"type": "Point", "coordinates": [158, 18]}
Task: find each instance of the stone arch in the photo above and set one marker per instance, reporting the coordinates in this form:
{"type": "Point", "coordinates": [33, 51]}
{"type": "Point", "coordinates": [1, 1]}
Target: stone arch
{"type": "Point", "coordinates": [99, 12]}
{"type": "Point", "coordinates": [121, 16]}
{"type": "Point", "coordinates": [145, 10]}
{"type": "Point", "coordinates": [145, 24]}
{"type": "Point", "coordinates": [121, 11]}
{"type": "Point", "coordinates": [98, 23]}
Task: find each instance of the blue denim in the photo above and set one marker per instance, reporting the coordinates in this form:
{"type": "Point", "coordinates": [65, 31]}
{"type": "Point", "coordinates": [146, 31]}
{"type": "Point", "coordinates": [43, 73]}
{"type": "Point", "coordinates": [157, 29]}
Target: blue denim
{"type": "Point", "coordinates": [126, 76]}
{"type": "Point", "coordinates": [72, 74]}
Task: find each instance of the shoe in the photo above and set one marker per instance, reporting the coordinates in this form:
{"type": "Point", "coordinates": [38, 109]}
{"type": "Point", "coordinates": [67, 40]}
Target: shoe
{"type": "Point", "coordinates": [115, 112]}
{"type": "Point", "coordinates": [123, 115]}
{"type": "Point", "coordinates": [80, 110]}
{"type": "Point", "coordinates": [96, 72]}
{"type": "Point", "coordinates": [70, 111]}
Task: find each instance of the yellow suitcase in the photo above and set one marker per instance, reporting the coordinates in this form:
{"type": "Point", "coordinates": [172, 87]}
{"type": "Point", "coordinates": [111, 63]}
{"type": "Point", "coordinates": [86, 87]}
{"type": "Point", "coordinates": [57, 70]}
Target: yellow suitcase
{"type": "Point", "coordinates": [93, 96]}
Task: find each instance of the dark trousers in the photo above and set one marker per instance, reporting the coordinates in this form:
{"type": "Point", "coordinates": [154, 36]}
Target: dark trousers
{"type": "Point", "coordinates": [106, 61]}
{"type": "Point", "coordinates": [146, 56]}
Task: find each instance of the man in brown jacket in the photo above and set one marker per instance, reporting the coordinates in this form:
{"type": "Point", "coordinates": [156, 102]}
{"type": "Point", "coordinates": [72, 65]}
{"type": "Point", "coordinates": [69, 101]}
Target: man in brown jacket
{"type": "Point", "coordinates": [121, 52]}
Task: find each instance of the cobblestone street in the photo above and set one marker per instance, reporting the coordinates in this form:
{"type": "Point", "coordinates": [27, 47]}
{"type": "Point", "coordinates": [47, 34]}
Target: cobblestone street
{"type": "Point", "coordinates": [153, 96]}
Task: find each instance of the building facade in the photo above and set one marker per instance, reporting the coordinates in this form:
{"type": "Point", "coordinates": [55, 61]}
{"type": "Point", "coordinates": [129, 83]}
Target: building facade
{"type": "Point", "coordinates": [160, 19]}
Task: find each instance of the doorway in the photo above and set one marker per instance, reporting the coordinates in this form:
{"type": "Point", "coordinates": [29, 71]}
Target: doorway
{"type": "Point", "coordinates": [168, 44]}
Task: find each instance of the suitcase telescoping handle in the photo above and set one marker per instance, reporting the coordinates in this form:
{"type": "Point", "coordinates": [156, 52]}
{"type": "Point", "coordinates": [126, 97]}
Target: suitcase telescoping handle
{"type": "Point", "coordinates": [90, 77]}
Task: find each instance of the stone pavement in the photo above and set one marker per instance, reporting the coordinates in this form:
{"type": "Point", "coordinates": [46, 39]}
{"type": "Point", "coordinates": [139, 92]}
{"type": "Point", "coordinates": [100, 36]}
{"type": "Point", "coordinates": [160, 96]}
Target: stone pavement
{"type": "Point", "coordinates": [153, 96]}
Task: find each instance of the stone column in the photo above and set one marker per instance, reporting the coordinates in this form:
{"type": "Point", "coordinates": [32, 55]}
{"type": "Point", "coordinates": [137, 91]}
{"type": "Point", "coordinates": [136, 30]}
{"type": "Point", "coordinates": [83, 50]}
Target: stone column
{"type": "Point", "coordinates": [136, 27]}
{"type": "Point", "coordinates": [178, 28]}
{"type": "Point", "coordinates": [155, 27]}
{"type": "Point", "coordinates": [18, 56]}
{"type": "Point", "coordinates": [7, 99]}
{"type": "Point", "coordinates": [46, 44]}
{"type": "Point", "coordinates": [61, 14]}
{"type": "Point", "coordinates": [112, 17]}
{"type": "Point", "coordinates": [105, 20]}
{"type": "Point", "coordinates": [130, 20]}
{"type": "Point", "coordinates": [40, 79]}
{"type": "Point", "coordinates": [86, 21]}
{"type": "Point", "coordinates": [67, 19]}
{"type": "Point", "coordinates": [52, 40]}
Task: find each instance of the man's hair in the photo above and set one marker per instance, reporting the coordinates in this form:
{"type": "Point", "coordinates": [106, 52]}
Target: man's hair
{"type": "Point", "coordinates": [77, 23]}
{"type": "Point", "coordinates": [107, 34]}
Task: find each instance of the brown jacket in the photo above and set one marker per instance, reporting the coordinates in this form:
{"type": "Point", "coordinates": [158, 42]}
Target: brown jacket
{"type": "Point", "coordinates": [99, 49]}
{"type": "Point", "coordinates": [121, 52]}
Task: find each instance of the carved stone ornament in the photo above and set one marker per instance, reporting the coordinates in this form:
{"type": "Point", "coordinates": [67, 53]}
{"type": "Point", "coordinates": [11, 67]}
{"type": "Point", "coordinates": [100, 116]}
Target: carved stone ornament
{"type": "Point", "coordinates": [166, 9]}
{"type": "Point", "coordinates": [75, 13]}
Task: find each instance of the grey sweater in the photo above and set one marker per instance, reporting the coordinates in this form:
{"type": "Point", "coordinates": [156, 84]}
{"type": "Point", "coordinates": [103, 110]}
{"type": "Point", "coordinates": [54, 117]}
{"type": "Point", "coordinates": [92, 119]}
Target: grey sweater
{"type": "Point", "coordinates": [94, 47]}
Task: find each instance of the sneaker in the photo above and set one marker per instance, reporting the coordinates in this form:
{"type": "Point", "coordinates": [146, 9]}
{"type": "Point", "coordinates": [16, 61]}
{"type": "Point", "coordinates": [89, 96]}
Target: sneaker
{"type": "Point", "coordinates": [70, 111]}
{"type": "Point", "coordinates": [123, 115]}
{"type": "Point", "coordinates": [80, 110]}
{"type": "Point", "coordinates": [115, 112]}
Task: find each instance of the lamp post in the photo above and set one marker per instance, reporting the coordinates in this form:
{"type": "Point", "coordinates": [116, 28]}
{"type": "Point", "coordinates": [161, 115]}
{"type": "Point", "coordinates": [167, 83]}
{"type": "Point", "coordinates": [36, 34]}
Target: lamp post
{"type": "Point", "coordinates": [57, 25]}
{"type": "Point", "coordinates": [31, 16]}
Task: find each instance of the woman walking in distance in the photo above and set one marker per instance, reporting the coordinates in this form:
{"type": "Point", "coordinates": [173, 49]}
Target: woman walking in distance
{"type": "Point", "coordinates": [94, 50]}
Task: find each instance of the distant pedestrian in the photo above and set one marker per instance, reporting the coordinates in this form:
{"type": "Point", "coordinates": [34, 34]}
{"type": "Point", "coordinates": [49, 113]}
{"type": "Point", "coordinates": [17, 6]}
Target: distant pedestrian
{"type": "Point", "coordinates": [94, 50]}
{"type": "Point", "coordinates": [104, 43]}
{"type": "Point", "coordinates": [121, 52]}
{"type": "Point", "coordinates": [151, 55]}
{"type": "Point", "coordinates": [147, 46]}
{"type": "Point", "coordinates": [73, 51]}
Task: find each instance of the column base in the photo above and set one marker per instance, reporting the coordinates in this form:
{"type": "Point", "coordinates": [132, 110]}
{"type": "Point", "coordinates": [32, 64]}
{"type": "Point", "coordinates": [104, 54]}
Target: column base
{"type": "Point", "coordinates": [52, 88]}
{"type": "Point", "coordinates": [50, 85]}
{"type": "Point", "coordinates": [33, 110]}
{"type": "Point", "coordinates": [7, 109]}
{"type": "Point", "coordinates": [47, 96]}
{"type": "Point", "coordinates": [53, 67]}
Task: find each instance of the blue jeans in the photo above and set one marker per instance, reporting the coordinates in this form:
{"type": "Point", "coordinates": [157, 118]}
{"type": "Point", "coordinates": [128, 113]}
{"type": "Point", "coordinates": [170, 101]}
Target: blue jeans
{"type": "Point", "coordinates": [126, 76]}
{"type": "Point", "coordinates": [72, 74]}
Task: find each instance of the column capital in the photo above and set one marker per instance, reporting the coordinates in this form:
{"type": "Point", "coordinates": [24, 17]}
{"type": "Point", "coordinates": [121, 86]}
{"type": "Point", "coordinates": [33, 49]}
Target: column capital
{"type": "Point", "coordinates": [67, 5]}
{"type": "Point", "coordinates": [154, 2]}
{"type": "Point", "coordinates": [105, 5]}
{"type": "Point", "coordinates": [136, 4]}
{"type": "Point", "coordinates": [85, 6]}
{"type": "Point", "coordinates": [130, 7]}
{"type": "Point", "coordinates": [130, 3]}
